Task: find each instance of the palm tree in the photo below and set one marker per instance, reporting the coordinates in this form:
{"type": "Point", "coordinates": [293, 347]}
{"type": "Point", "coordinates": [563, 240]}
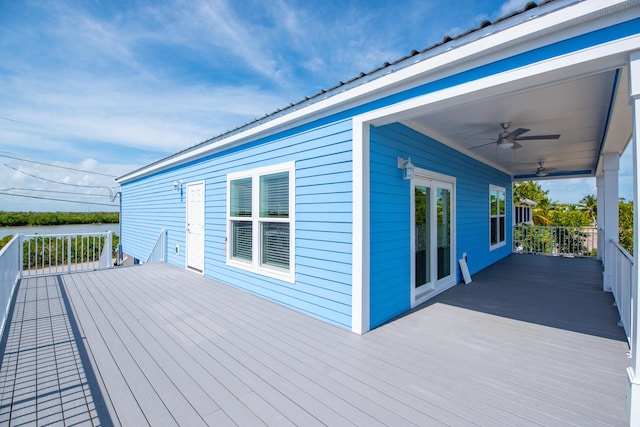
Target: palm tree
{"type": "Point", "coordinates": [542, 213]}
{"type": "Point", "coordinates": [589, 205]}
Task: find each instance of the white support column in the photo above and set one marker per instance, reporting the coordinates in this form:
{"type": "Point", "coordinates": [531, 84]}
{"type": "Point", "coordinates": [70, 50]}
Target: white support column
{"type": "Point", "coordinates": [600, 215]}
{"type": "Point", "coordinates": [611, 164]}
{"type": "Point", "coordinates": [633, 372]}
{"type": "Point", "coordinates": [360, 299]}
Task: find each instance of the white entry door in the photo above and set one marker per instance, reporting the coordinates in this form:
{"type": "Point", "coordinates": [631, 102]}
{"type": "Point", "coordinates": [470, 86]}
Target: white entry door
{"type": "Point", "coordinates": [195, 226]}
{"type": "Point", "coordinates": [433, 237]}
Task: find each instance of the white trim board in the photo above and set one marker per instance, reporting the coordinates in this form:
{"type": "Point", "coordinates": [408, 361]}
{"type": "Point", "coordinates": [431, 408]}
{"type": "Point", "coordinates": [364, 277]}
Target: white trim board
{"type": "Point", "coordinates": [360, 263]}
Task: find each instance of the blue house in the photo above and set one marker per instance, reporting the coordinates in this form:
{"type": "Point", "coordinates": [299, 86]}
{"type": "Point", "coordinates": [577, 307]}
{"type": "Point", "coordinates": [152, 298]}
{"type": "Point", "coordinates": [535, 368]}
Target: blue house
{"type": "Point", "coordinates": [355, 205]}
{"type": "Point", "coordinates": [309, 206]}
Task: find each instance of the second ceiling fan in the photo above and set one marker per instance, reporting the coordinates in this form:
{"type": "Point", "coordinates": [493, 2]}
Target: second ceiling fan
{"type": "Point", "coordinates": [508, 139]}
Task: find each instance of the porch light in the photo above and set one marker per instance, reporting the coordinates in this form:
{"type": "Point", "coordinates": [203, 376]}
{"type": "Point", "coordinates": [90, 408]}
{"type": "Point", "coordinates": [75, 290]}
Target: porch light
{"type": "Point", "coordinates": [177, 185]}
{"type": "Point", "coordinates": [407, 166]}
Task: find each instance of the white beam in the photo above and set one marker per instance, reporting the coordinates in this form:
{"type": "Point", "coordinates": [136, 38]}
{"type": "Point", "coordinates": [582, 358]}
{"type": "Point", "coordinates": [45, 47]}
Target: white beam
{"type": "Point", "coordinates": [611, 165]}
{"type": "Point", "coordinates": [633, 394]}
{"type": "Point", "coordinates": [600, 215]}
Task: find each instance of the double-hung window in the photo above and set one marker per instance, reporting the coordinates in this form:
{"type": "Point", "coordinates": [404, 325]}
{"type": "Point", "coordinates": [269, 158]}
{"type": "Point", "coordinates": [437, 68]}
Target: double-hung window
{"type": "Point", "coordinates": [497, 215]}
{"type": "Point", "coordinates": [260, 220]}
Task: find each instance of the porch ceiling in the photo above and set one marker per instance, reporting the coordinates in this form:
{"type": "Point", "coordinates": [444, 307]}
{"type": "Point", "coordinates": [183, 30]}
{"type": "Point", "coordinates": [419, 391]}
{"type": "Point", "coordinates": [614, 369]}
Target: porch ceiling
{"type": "Point", "coordinates": [590, 112]}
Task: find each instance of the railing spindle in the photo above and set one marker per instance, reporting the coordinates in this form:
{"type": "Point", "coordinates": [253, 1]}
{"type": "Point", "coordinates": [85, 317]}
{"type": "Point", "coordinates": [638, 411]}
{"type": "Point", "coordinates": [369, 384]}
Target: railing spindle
{"type": "Point", "coordinates": [45, 254]}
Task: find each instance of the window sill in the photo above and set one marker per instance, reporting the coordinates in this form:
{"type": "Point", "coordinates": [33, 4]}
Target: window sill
{"type": "Point", "coordinates": [497, 246]}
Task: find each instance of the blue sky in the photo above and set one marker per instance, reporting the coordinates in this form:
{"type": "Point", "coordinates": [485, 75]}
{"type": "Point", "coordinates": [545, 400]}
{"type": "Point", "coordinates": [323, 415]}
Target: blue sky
{"type": "Point", "coordinates": [109, 86]}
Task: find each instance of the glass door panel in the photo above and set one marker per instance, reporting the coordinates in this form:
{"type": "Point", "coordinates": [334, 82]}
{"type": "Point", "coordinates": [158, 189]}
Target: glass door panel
{"type": "Point", "coordinates": [433, 231]}
{"type": "Point", "coordinates": [443, 217]}
{"type": "Point", "coordinates": [422, 236]}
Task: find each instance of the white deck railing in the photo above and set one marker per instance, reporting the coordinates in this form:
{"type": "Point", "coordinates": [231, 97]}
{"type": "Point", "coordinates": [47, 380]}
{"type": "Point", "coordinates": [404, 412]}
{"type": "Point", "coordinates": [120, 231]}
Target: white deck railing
{"type": "Point", "coordinates": [622, 286]}
{"type": "Point", "coordinates": [64, 253]}
{"type": "Point", "coordinates": [158, 253]}
{"type": "Point", "coordinates": [555, 241]}
{"type": "Point", "coordinates": [10, 270]}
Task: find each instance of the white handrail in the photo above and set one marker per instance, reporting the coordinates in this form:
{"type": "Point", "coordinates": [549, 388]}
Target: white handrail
{"type": "Point", "coordinates": [10, 273]}
{"type": "Point", "coordinates": [622, 286]}
{"type": "Point", "coordinates": [158, 253]}
{"type": "Point", "coordinates": [555, 240]}
{"type": "Point", "coordinates": [64, 253]}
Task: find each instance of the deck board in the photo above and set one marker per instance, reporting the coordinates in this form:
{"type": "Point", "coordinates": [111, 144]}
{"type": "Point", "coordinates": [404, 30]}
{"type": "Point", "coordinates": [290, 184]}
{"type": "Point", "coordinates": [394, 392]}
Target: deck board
{"type": "Point", "coordinates": [42, 376]}
{"type": "Point", "coordinates": [531, 341]}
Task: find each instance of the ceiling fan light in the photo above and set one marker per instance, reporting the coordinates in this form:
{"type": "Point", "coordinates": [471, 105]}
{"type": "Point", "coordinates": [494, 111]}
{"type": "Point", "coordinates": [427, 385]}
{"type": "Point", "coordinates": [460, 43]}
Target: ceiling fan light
{"type": "Point", "coordinates": [505, 143]}
{"type": "Point", "coordinates": [541, 172]}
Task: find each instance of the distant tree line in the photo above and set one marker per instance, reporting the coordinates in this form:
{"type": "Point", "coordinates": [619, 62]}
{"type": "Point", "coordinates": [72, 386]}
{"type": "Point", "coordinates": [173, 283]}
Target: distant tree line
{"type": "Point", "coordinates": [21, 219]}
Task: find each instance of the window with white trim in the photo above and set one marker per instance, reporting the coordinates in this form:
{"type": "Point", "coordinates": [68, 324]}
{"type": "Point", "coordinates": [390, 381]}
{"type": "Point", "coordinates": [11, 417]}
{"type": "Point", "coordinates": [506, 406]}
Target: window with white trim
{"type": "Point", "coordinates": [497, 216]}
{"type": "Point", "coordinates": [260, 220]}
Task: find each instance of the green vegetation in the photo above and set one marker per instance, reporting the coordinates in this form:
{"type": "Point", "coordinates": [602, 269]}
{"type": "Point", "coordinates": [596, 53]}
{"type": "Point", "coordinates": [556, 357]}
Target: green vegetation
{"type": "Point", "coordinates": [5, 240]}
{"type": "Point", "coordinates": [625, 221]}
{"type": "Point", "coordinates": [48, 251]}
{"type": "Point", "coordinates": [20, 219]}
{"type": "Point", "coordinates": [583, 214]}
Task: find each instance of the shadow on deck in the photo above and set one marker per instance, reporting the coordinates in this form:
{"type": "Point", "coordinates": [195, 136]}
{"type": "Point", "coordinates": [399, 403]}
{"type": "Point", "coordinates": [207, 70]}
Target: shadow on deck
{"type": "Point", "coordinates": [564, 293]}
{"type": "Point", "coordinates": [46, 377]}
{"type": "Point", "coordinates": [533, 341]}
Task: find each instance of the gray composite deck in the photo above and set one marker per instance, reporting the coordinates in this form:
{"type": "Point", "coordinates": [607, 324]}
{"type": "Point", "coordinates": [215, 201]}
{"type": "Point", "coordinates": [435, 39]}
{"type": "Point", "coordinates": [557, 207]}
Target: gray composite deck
{"type": "Point", "coordinates": [532, 341]}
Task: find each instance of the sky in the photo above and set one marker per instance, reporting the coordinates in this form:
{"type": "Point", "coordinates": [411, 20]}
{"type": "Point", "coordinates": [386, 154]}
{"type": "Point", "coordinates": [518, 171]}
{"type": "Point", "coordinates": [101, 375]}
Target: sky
{"type": "Point", "coordinates": [91, 90]}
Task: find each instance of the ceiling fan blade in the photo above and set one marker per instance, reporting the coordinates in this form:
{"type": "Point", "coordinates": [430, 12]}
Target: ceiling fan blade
{"type": "Point", "coordinates": [516, 145]}
{"type": "Point", "coordinates": [483, 145]}
{"type": "Point", "coordinates": [517, 132]}
{"type": "Point", "coordinates": [532, 138]}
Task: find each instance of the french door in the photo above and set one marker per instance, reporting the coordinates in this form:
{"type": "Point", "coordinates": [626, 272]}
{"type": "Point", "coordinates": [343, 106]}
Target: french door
{"type": "Point", "coordinates": [433, 236]}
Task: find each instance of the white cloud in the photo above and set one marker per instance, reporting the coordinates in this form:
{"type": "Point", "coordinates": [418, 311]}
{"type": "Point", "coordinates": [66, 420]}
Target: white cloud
{"type": "Point", "coordinates": [511, 6]}
{"type": "Point", "coordinates": [127, 83]}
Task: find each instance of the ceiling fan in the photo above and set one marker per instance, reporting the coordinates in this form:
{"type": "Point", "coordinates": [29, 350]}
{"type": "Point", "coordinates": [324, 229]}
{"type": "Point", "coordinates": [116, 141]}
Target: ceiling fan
{"type": "Point", "coordinates": [542, 171]}
{"type": "Point", "coordinates": [508, 139]}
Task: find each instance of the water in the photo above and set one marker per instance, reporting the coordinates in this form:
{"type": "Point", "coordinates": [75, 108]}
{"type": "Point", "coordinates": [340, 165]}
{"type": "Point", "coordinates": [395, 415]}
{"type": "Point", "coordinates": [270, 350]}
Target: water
{"type": "Point", "coordinates": [61, 229]}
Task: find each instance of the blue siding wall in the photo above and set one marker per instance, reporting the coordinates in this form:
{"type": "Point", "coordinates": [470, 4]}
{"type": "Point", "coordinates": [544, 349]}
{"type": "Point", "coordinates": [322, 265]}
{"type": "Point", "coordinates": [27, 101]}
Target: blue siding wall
{"type": "Point", "coordinates": [390, 212]}
{"type": "Point", "coordinates": [322, 151]}
{"type": "Point", "coordinates": [323, 206]}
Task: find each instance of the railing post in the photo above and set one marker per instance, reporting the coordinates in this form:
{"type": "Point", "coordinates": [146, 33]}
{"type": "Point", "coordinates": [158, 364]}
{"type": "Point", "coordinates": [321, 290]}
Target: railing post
{"type": "Point", "coordinates": [21, 255]}
{"type": "Point", "coordinates": [105, 260]}
{"type": "Point", "coordinates": [110, 249]}
{"type": "Point", "coordinates": [164, 245]}
{"type": "Point", "coordinates": [69, 254]}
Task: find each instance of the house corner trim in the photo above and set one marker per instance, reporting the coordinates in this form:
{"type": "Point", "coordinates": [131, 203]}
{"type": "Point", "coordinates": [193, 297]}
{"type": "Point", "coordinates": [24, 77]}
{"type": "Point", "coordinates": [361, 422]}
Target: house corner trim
{"type": "Point", "coordinates": [360, 300]}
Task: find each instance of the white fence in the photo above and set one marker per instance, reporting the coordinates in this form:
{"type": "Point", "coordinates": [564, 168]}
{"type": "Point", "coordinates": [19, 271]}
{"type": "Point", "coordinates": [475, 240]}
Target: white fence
{"type": "Point", "coordinates": [41, 254]}
{"type": "Point", "coordinates": [64, 253]}
{"type": "Point", "coordinates": [555, 241]}
{"type": "Point", "coordinates": [622, 286]}
{"type": "Point", "coordinates": [10, 270]}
